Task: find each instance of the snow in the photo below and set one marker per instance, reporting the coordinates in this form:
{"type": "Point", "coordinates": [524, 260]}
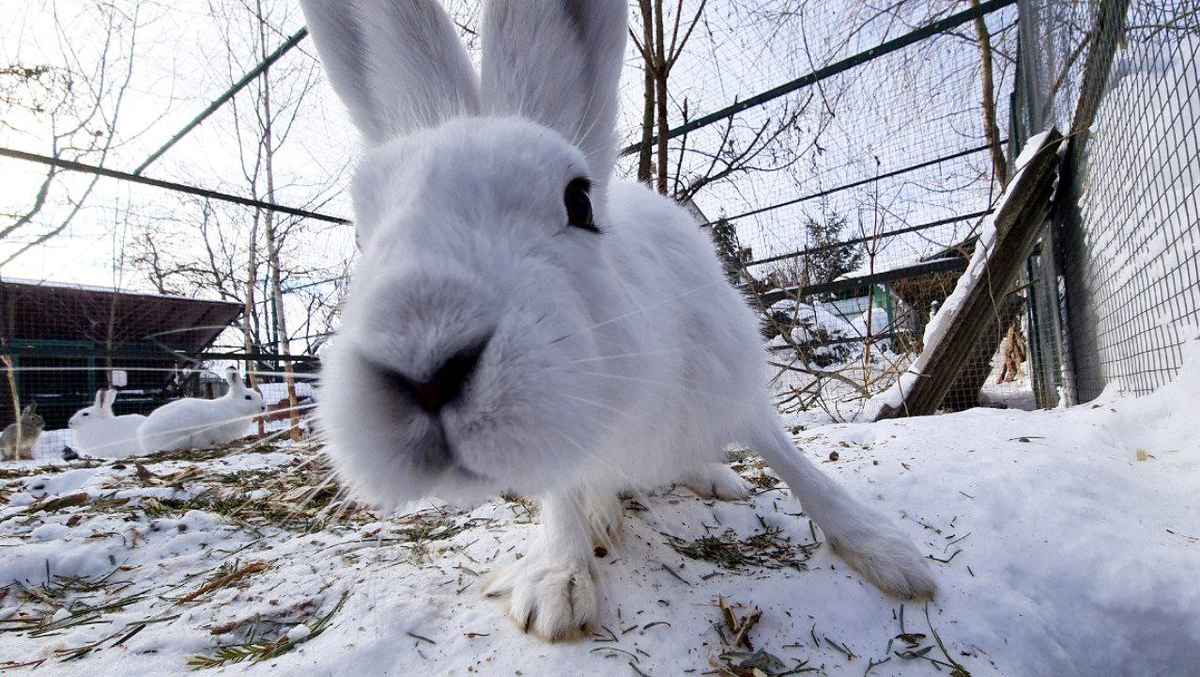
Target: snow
{"type": "Point", "coordinates": [1067, 544]}
{"type": "Point", "coordinates": [813, 323]}
{"type": "Point", "coordinates": [299, 633]}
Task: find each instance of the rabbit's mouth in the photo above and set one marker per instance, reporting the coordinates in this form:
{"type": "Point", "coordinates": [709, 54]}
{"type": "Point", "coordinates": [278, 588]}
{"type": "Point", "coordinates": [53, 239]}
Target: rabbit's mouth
{"type": "Point", "coordinates": [439, 457]}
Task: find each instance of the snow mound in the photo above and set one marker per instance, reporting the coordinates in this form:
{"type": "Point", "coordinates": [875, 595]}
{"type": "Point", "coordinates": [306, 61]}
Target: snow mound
{"type": "Point", "coordinates": [1065, 542]}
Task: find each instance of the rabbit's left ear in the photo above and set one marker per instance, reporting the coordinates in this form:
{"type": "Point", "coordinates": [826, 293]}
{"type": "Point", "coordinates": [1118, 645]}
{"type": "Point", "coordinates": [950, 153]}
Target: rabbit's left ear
{"type": "Point", "coordinates": [234, 379]}
{"type": "Point", "coordinates": [558, 62]}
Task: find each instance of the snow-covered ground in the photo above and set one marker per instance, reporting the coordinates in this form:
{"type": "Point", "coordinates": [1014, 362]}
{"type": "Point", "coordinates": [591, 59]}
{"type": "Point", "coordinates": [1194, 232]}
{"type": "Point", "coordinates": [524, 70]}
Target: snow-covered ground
{"type": "Point", "coordinates": [1065, 542]}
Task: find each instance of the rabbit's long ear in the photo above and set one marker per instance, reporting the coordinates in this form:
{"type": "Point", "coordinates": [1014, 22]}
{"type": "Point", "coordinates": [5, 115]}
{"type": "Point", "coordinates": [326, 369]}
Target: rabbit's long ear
{"type": "Point", "coordinates": [234, 379]}
{"type": "Point", "coordinates": [110, 398]}
{"type": "Point", "coordinates": [99, 403]}
{"type": "Point", "coordinates": [397, 64]}
{"type": "Point", "coordinates": [558, 62]}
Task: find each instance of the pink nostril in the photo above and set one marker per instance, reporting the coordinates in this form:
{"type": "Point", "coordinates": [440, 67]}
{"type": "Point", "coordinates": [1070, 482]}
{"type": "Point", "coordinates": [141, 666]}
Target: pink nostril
{"type": "Point", "coordinates": [447, 384]}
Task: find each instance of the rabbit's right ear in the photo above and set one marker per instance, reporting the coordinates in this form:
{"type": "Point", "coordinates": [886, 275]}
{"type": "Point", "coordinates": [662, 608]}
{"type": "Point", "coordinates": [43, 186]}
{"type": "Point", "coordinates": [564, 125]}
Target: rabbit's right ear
{"type": "Point", "coordinates": [110, 398]}
{"type": "Point", "coordinates": [398, 65]}
{"type": "Point", "coordinates": [558, 62]}
{"type": "Point", "coordinates": [99, 403]}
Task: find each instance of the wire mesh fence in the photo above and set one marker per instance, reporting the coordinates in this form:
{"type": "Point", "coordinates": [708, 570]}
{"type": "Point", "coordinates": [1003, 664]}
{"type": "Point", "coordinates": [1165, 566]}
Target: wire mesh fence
{"type": "Point", "coordinates": [844, 160]}
{"type": "Point", "coordinates": [839, 339]}
{"type": "Point", "coordinates": [843, 152]}
{"type": "Point", "coordinates": [848, 243]}
{"type": "Point", "coordinates": [1119, 278]}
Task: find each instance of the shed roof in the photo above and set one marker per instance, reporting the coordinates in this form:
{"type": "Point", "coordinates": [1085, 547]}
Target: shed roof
{"type": "Point", "coordinates": [34, 310]}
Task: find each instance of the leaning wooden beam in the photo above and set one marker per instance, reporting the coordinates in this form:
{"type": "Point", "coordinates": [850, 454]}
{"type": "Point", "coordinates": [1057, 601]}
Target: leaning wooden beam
{"type": "Point", "coordinates": [963, 320]}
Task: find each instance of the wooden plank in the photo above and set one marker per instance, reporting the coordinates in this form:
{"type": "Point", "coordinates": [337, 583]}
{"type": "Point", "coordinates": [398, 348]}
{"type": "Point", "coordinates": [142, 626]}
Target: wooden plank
{"type": "Point", "coordinates": [1018, 221]}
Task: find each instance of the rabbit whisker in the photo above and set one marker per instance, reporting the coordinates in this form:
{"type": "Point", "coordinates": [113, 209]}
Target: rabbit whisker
{"type": "Point", "coordinates": [656, 383]}
{"type": "Point", "coordinates": [641, 309]}
{"type": "Point", "coordinates": [673, 351]}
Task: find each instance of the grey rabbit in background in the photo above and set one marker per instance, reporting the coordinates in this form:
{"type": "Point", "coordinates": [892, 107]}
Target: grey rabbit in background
{"type": "Point", "coordinates": [13, 444]}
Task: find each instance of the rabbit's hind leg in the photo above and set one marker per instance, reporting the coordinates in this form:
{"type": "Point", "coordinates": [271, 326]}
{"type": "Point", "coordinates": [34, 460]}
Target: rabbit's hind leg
{"type": "Point", "coordinates": [606, 517]}
{"type": "Point", "coordinates": [716, 480]}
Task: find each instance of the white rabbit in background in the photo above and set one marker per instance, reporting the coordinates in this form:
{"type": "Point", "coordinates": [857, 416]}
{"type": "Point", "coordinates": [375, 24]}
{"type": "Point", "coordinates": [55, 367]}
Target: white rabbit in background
{"type": "Point", "coordinates": [98, 432]}
{"type": "Point", "coordinates": [193, 423]}
{"type": "Point", "coordinates": [519, 322]}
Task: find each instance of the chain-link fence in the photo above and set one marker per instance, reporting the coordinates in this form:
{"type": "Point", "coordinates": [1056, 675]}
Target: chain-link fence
{"type": "Point", "coordinates": [848, 259]}
{"type": "Point", "coordinates": [844, 161]}
{"type": "Point", "coordinates": [839, 341]}
{"type": "Point", "coordinates": [1112, 289]}
{"type": "Point", "coordinates": [1117, 280]}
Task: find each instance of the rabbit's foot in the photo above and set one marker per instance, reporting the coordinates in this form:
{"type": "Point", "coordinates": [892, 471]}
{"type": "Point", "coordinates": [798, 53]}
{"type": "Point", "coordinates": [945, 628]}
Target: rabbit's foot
{"type": "Point", "coordinates": [717, 480]}
{"type": "Point", "coordinates": [552, 598]}
{"type": "Point", "coordinates": [551, 592]}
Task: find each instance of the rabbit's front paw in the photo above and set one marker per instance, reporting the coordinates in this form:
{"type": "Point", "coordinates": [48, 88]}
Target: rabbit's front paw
{"type": "Point", "coordinates": [553, 598]}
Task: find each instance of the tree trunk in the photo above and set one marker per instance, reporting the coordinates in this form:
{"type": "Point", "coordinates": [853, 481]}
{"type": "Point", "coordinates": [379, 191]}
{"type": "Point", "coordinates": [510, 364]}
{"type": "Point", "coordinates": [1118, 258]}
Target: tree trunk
{"type": "Point", "coordinates": [10, 373]}
{"type": "Point", "coordinates": [248, 314]}
{"type": "Point", "coordinates": [660, 78]}
{"type": "Point", "coordinates": [645, 171]}
{"type": "Point", "coordinates": [284, 346]}
{"type": "Point", "coordinates": [990, 129]}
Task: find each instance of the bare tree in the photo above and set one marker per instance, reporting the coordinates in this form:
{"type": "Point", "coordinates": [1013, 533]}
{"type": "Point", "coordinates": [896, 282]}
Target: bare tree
{"type": "Point", "coordinates": [990, 129]}
{"type": "Point", "coordinates": [72, 109]}
{"type": "Point", "coordinates": [659, 56]}
{"type": "Point", "coordinates": [253, 256]}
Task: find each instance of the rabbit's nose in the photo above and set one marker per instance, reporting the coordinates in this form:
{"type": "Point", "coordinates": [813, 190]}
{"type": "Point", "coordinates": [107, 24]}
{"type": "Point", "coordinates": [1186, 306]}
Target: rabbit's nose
{"type": "Point", "coordinates": [447, 382]}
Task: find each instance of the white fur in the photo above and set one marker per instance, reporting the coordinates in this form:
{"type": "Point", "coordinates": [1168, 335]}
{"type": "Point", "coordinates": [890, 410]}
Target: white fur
{"type": "Point", "coordinates": [98, 432]}
{"type": "Point", "coordinates": [391, 91]}
{"type": "Point", "coordinates": [193, 423]}
{"type": "Point", "coordinates": [613, 361]}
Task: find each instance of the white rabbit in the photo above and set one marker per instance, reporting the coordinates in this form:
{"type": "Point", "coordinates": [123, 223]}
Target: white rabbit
{"type": "Point", "coordinates": [193, 423]}
{"type": "Point", "coordinates": [98, 432]}
{"type": "Point", "coordinates": [517, 323]}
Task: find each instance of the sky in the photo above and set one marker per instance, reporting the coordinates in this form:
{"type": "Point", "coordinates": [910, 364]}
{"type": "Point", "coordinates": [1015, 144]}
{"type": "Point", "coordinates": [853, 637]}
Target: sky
{"type": "Point", "coordinates": [899, 110]}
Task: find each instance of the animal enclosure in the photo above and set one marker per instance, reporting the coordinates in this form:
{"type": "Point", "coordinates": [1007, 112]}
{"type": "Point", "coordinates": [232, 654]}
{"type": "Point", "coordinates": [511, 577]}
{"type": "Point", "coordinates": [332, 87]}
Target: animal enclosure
{"type": "Point", "coordinates": [176, 203]}
{"type": "Point", "coordinates": [845, 199]}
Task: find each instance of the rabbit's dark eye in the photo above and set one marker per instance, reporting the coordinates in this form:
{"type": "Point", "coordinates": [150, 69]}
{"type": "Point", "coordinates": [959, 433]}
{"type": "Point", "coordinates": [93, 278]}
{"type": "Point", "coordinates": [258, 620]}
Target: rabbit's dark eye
{"type": "Point", "coordinates": [579, 205]}
{"type": "Point", "coordinates": [248, 397]}
{"type": "Point", "coordinates": [86, 414]}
